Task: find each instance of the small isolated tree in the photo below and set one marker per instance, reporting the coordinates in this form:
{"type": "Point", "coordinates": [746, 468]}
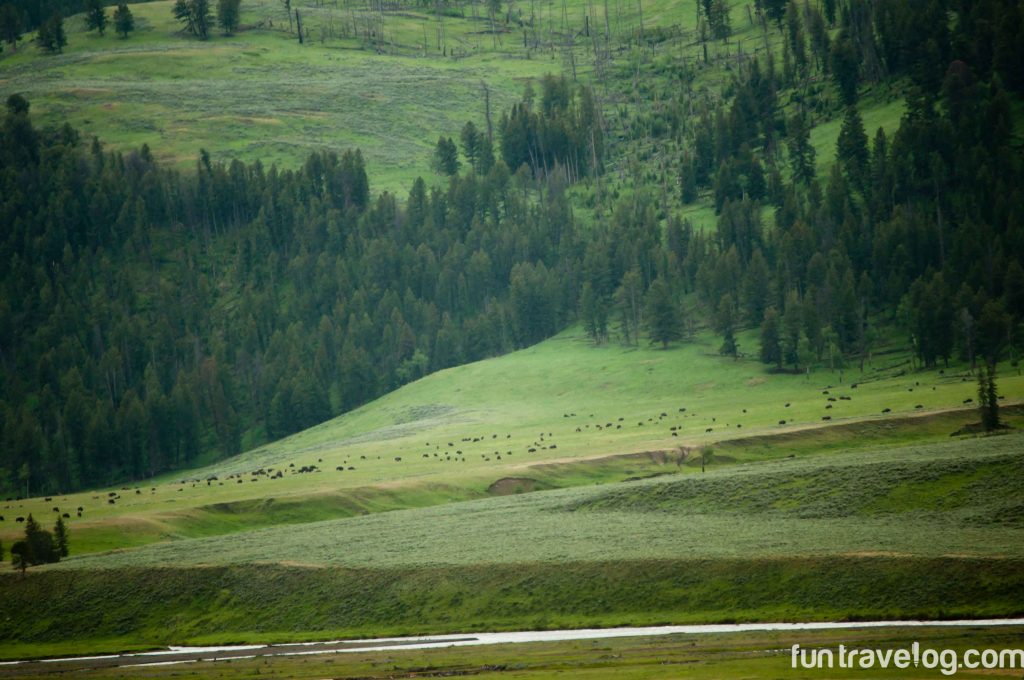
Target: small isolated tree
{"type": "Point", "coordinates": [95, 16]}
{"type": "Point", "coordinates": [661, 315]}
{"type": "Point", "coordinates": [60, 538]}
{"type": "Point", "coordinates": [988, 398]}
{"type": "Point", "coordinates": [228, 13]}
{"type": "Point", "coordinates": [124, 20]}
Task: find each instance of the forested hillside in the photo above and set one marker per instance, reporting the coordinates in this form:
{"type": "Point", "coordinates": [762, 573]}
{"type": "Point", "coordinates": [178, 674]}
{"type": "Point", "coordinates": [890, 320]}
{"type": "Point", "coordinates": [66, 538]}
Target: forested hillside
{"type": "Point", "coordinates": [153, 319]}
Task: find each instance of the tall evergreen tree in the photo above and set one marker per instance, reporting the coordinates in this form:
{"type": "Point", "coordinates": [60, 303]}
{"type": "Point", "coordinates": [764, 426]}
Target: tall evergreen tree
{"type": "Point", "coordinates": [124, 20]}
{"type": "Point", "coordinates": [446, 156]}
{"type": "Point", "coordinates": [988, 397]}
{"type": "Point", "coordinates": [51, 36]}
{"type": "Point", "coordinates": [60, 538]}
{"type": "Point", "coordinates": [228, 15]}
{"type": "Point", "coordinates": [845, 64]}
{"type": "Point", "coordinates": [852, 149]}
{"type": "Point", "coordinates": [661, 315]}
{"type": "Point", "coordinates": [801, 151]}
{"type": "Point", "coordinates": [95, 16]}
{"type": "Point", "coordinates": [771, 347]}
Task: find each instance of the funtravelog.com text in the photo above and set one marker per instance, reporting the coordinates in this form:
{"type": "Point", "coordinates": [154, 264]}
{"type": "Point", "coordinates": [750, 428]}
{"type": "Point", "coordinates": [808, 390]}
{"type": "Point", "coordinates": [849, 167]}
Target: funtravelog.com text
{"type": "Point", "coordinates": [945, 661]}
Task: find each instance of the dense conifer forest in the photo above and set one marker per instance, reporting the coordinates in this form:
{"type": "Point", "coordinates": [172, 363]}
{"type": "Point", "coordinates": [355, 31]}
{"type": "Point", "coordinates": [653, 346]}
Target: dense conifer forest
{"type": "Point", "coordinates": [152, 319]}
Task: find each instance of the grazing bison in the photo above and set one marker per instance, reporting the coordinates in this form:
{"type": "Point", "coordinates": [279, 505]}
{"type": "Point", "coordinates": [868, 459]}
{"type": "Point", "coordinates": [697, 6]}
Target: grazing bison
{"type": "Point", "coordinates": [19, 519]}
{"type": "Point", "coordinates": [826, 417]}
{"type": "Point", "coordinates": [66, 516]}
{"type": "Point", "coordinates": [709, 429]}
{"type": "Point", "coordinates": [886, 410]}
{"type": "Point", "coordinates": [782, 422]}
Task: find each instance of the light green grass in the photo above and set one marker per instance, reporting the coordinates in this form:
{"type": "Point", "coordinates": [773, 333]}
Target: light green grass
{"type": "Point", "coordinates": [954, 498]}
{"type": "Point", "coordinates": [507, 403]}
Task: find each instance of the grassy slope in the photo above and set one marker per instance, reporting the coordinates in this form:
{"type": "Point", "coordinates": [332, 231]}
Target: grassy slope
{"type": "Point", "coordinates": [517, 397]}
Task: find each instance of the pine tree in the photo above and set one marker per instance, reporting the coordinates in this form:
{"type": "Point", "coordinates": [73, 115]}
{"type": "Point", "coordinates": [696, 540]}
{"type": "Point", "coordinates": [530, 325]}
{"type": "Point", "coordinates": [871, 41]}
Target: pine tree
{"type": "Point", "coordinates": [470, 138]}
{"type": "Point", "coordinates": [594, 312]}
{"type": "Point", "coordinates": [228, 13]}
{"type": "Point", "coordinates": [718, 19]}
{"type": "Point", "coordinates": [852, 149]}
{"type": "Point", "coordinates": [60, 538]}
{"type": "Point", "coordinates": [845, 63]}
{"type": "Point", "coordinates": [21, 556]}
{"type": "Point", "coordinates": [446, 156]}
{"type": "Point", "coordinates": [51, 36]}
{"type": "Point", "coordinates": [771, 349]}
{"type": "Point", "coordinates": [988, 398]}
{"type": "Point", "coordinates": [801, 151]}
{"type": "Point", "coordinates": [660, 314]}
{"type": "Point", "coordinates": [95, 16]}
{"type": "Point", "coordinates": [124, 20]}
{"type": "Point", "coordinates": [726, 324]}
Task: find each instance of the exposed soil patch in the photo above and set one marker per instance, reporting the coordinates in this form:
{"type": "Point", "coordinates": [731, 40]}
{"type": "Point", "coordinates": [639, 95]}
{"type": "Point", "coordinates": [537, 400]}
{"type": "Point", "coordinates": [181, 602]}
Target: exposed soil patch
{"type": "Point", "coordinates": [508, 486]}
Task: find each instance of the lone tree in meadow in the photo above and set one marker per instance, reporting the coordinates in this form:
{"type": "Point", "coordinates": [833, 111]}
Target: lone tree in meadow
{"type": "Point", "coordinates": [988, 398]}
{"type": "Point", "coordinates": [124, 21]}
{"type": "Point", "coordinates": [661, 315]}
{"type": "Point", "coordinates": [228, 12]}
{"type": "Point", "coordinates": [95, 16]}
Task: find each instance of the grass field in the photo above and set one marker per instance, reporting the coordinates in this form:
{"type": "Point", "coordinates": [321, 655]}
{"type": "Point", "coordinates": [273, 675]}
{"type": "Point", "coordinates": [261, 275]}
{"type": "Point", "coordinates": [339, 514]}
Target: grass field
{"type": "Point", "coordinates": [533, 399]}
{"type": "Point", "coordinates": [736, 655]}
{"type": "Point", "coordinates": [915, 531]}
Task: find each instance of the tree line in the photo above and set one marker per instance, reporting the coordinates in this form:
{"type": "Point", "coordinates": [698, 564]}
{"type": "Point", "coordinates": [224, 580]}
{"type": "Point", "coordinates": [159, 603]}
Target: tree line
{"type": "Point", "coordinates": [148, 317]}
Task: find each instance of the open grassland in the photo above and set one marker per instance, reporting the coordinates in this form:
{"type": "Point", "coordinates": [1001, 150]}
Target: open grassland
{"type": "Point", "coordinates": [583, 410]}
{"type": "Point", "coordinates": [918, 531]}
{"type": "Point", "coordinates": [734, 655]}
{"type": "Point", "coordinates": [954, 498]}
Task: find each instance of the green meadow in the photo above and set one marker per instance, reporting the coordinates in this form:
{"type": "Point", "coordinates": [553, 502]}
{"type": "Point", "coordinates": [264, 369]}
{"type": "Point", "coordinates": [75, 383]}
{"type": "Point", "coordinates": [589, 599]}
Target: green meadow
{"type": "Point", "coordinates": [589, 413]}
